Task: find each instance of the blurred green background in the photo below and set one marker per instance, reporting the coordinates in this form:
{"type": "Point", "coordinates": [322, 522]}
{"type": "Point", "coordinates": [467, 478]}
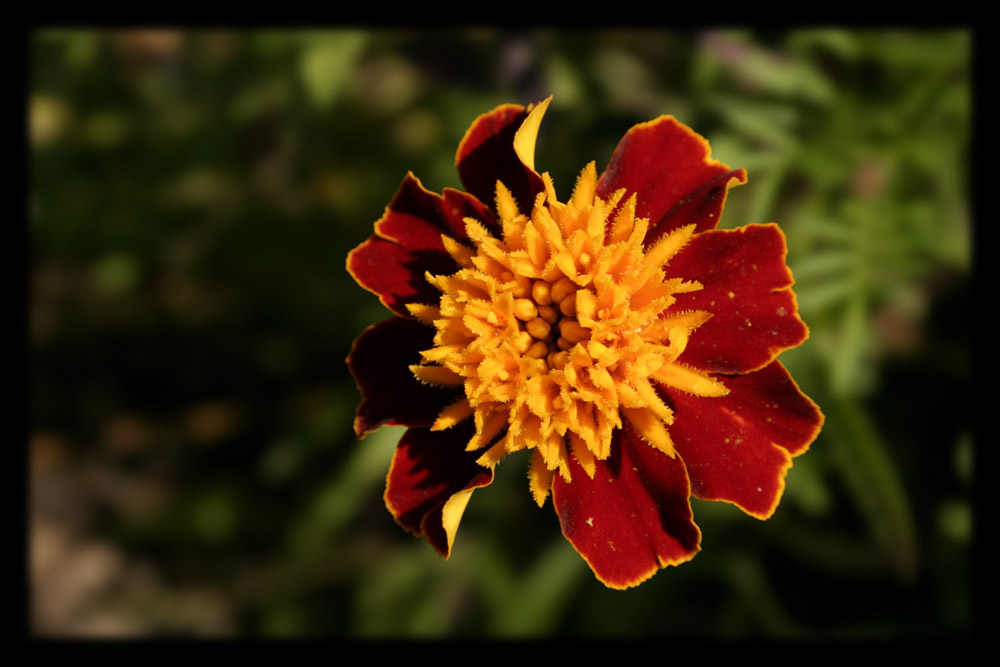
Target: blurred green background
{"type": "Point", "coordinates": [191, 200]}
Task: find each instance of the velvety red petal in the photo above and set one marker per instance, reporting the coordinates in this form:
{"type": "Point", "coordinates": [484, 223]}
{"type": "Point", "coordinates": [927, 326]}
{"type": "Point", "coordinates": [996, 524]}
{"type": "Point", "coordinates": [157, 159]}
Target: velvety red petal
{"type": "Point", "coordinates": [633, 517]}
{"type": "Point", "coordinates": [739, 447]}
{"type": "Point", "coordinates": [396, 274]}
{"type": "Point", "coordinates": [746, 285]}
{"type": "Point", "coordinates": [416, 217]}
{"type": "Point", "coordinates": [407, 242]}
{"type": "Point", "coordinates": [677, 182]}
{"type": "Point", "coordinates": [390, 394]}
{"type": "Point", "coordinates": [429, 469]}
{"type": "Point", "coordinates": [486, 155]}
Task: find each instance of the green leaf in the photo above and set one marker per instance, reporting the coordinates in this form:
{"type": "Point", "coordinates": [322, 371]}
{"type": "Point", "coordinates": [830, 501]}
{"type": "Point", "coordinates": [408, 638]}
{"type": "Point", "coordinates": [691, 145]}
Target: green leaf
{"type": "Point", "coordinates": [848, 375]}
{"type": "Point", "coordinates": [534, 606]}
{"type": "Point", "coordinates": [341, 499]}
{"type": "Point", "coordinates": [822, 265]}
{"type": "Point", "coordinates": [864, 463]}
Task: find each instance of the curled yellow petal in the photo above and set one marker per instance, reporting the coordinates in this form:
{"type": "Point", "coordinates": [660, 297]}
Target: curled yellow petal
{"type": "Point", "coordinates": [506, 205]}
{"type": "Point", "coordinates": [452, 414]}
{"type": "Point", "coordinates": [423, 312]}
{"type": "Point", "coordinates": [651, 429]}
{"type": "Point", "coordinates": [527, 134]}
{"type": "Point", "coordinates": [668, 246]}
{"type": "Point", "coordinates": [437, 375]}
{"type": "Point", "coordinates": [582, 454]}
{"type": "Point", "coordinates": [691, 381]}
{"type": "Point", "coordinates": [451, 514]}
{"type": "Point", "coordinates": [540, 478]}
{"type": "Point", "coordinates": [460, 253]}
{"type": "Point", "coordinates": [586, 182]}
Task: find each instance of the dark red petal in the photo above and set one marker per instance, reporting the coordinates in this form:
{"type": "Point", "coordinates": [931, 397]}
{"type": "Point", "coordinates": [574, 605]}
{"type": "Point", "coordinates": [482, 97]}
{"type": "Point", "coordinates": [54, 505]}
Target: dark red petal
{"type": "Point", "coordinates": [428, 469]}
{"type": "Point", "coordinates": [669, 167]}
{"type": "Point", "coordinates": [633, 517]}
{"type": "Point", "coordinates": [486, 155]}
{"type": "Point", "coordinates": [416, 217]}
{"type": "Point", "coordinates": [407, 243]}
{"type": "Point", "coordinates": [747, 288]}
{"type": "Point", "coordinates": [738, 447]}
{"type": "Point", "coordinates": [379, 360]}
{"type": "Point", "coordinates": [396, 274]}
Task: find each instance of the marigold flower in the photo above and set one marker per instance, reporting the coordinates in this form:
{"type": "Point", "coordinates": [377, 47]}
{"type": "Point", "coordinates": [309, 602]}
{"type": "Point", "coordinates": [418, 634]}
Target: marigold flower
{"type": "Point", "coordinates": [618, 336]}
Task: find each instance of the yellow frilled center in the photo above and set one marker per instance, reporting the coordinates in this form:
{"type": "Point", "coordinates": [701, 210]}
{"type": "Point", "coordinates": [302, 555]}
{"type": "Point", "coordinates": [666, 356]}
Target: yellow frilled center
{"type": "Point", "coordinates": [557, 331]}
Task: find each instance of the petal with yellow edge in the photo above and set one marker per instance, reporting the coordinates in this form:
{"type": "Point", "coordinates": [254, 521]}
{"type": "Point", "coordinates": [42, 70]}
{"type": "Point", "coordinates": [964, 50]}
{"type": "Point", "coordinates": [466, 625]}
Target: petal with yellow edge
{"type": "Point", "coordinates": [739, 447]}
{"type": "Point", "coordinates": [430, 482]}
{"type": "Point", "coordinates": [487, 153]}
{"type": "Point", "coordinates": [671, 168]}
{"type": "Point", "coordinates": [634, 517]}
{"type": "Point", "coordinates": [747, 288]}
{"type": "Point", "coordinates": [407, 243]}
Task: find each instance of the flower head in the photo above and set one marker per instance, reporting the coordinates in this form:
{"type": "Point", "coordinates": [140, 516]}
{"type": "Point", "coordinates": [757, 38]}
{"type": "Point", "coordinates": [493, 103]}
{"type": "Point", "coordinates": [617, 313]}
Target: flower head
{"type": "Point", "coordinates": [618, 335]}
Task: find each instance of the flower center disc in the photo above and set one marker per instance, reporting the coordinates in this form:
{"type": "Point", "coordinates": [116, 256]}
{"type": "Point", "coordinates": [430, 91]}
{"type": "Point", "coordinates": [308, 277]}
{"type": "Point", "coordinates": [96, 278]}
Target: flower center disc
{"type": "Point", "coordinates": [559, 329]}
